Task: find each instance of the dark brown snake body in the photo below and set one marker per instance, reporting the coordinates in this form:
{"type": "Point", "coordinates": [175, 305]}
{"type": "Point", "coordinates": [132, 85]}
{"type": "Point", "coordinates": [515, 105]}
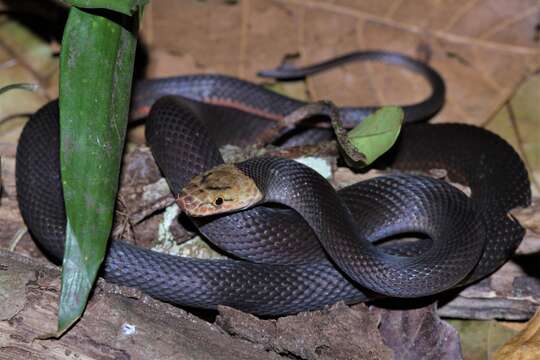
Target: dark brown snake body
{"type": "Point", "coordinates": [286, 269]}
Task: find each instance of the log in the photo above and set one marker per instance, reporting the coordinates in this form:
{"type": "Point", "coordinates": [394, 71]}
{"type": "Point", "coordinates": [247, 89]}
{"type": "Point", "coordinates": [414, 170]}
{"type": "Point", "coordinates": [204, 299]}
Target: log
{"type": "Point", "coordinates": [118, 323]}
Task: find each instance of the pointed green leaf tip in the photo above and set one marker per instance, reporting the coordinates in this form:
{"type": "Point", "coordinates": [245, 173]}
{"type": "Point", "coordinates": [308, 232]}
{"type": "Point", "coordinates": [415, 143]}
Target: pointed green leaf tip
{"type": "Point", "coordinates": [373, 136]}
{"type": "Point", "coordinates": [77, 279]}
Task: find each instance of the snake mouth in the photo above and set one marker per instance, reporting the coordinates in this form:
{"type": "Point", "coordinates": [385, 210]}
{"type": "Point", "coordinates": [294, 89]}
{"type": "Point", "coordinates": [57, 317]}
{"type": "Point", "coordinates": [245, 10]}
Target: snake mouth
{"type": "Point", "coordinates": [185, 202]}
{"type": "Point", "coordinates": [192, 206]}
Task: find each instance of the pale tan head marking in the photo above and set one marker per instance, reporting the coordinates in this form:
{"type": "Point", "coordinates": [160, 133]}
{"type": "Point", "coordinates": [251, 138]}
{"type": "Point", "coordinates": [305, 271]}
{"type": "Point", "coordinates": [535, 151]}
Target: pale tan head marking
{"type": "Point", "coordinates": [222, 189]}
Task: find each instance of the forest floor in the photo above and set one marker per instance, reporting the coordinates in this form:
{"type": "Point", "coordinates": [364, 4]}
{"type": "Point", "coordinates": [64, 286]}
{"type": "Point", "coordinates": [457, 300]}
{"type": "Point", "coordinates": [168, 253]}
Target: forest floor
{"type": "Point", "coordinates": [488, 52]}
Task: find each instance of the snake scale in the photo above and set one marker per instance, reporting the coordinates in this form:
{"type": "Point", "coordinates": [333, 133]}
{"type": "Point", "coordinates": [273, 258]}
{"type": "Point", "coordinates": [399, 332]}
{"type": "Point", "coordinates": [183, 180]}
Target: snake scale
{"type": "Point", "coordinates": [322, 250]}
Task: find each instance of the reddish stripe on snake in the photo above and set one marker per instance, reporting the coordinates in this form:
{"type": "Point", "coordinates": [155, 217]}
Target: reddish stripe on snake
{"type": "Point", "coordinates": [145, 110]}
{"type": "Point", "coordinates": [244, 107]}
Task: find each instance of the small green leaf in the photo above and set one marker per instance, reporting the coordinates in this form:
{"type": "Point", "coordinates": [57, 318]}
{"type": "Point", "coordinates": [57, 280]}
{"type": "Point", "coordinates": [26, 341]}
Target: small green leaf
{"type": "Point", "coordinates": [127, 7]}
{"type": "Point", "coordinates": [372, 137]}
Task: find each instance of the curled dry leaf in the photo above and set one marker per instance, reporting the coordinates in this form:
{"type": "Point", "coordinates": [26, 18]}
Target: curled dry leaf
{"type": "Point", "coordinates": [529, 217]}
{"type": "Point", "coordinates": [525, 345]}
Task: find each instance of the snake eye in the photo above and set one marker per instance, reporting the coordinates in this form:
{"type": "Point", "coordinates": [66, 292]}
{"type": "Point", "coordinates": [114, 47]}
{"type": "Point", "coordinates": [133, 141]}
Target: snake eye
{"type": "Point", "coordinates": [218, 201]}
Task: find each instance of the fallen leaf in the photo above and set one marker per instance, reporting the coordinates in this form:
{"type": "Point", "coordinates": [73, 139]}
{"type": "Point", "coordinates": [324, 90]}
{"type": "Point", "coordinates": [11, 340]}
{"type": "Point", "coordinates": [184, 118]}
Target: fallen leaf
{"type": "Point", "coordinates": [295, 89]}
{"type": "Point", "coordinates": [28, 49]}
{"type": "Point", "coordinates": [480, 339]}
{"type": "Point", "coordinates": [525, 345]}
{"type": "Point", "coordinates": [163, 63]}
{"type": "Point", "coordinates": [529, 217]}
{"type": "Point", "coordinates": [483, 49]}
{"type": "Point", "coordinates": [419, 334]}
{"type": "Point", "coordinates": [377, 133]}
{"type": "Point", "coordinates": [518, 122]}
{"type": "Point", "coordinates": [24, 58]}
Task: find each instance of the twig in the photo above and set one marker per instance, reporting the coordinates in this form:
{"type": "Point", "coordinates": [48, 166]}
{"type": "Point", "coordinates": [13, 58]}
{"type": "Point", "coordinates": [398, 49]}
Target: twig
{"type": "Point", "coordinates": [17, 238]}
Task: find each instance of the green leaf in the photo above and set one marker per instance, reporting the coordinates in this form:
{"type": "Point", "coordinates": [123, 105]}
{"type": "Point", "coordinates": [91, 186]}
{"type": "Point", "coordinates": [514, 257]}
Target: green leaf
{"type": "Point", "coordinates": [372, 137]}
{"type": "Point", "coordinates": [96, 67]}
{"type": "Point", "coordinates": [127, 7]}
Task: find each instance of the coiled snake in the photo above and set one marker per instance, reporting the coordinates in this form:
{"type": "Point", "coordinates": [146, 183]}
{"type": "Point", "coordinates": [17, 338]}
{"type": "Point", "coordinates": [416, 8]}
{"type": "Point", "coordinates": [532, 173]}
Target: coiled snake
{"type": "Point", "coordinates": [281, 266]}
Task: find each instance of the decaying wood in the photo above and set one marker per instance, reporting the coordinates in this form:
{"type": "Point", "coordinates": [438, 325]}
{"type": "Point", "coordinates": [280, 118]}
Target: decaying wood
{"type": "Point", "coordinates": [342, 332]}
{"type": "Point", "coordinates": [511, 293]}
{"type": "Point", "coordinates": [338, 332]}
{"type": "Point", "coordinates": [122, 323]}
{"type": "Point", "coordinates": [114, 326]}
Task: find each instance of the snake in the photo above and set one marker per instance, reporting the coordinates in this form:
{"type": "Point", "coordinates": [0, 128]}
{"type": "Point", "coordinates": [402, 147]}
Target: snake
{"type": "Point", "coordinates": [295, 243]}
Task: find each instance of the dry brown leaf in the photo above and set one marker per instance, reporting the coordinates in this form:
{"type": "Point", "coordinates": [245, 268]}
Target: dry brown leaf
{"type": "Point", "coordinates": [480, 339]}
{"type": "Point", "coordinates": [529, 217]}
{"type": "Point", "coordinates": [518, 122]}
{"type": "Point", "coordinates": [525, 345]}
{"type": "Point", "coordinates": [483, 48]}
{"type": "Point", "coordinates": [24, 58]}
{"type": "Point", "coordinates": [165, 63]}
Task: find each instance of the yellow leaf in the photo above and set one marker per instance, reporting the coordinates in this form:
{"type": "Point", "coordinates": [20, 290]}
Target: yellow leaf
{"type": "Point", "coordinates": [525, 345]}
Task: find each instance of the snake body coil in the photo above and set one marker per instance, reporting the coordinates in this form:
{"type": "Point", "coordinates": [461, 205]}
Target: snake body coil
{"type": "Point", "coordinates": [289, 270]}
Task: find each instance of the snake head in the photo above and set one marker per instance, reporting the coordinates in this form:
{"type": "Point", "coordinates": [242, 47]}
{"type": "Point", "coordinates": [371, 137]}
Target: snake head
{"type": "Point", "coordinates": [220, 190]}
